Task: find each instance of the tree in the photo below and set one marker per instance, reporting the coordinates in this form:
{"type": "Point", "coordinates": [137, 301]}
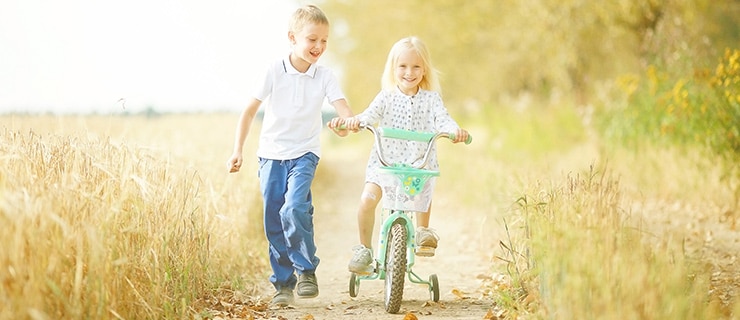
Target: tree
{"type": "Point", "coordinates": [487, 50]}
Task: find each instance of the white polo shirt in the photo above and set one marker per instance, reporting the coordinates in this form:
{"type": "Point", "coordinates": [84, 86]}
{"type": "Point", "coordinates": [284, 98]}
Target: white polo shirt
{"type": "Point", "coordinates": [292, 117]}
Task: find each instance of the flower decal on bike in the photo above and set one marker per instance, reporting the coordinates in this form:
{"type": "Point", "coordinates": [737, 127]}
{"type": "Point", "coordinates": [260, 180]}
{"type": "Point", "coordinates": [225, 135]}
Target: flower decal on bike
{"type": "Point", "coordinates": [413, 185]}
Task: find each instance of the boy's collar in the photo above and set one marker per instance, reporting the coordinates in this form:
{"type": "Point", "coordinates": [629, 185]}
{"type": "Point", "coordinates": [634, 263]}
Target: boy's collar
{"type": "Point", "coordinates": [289, 69]}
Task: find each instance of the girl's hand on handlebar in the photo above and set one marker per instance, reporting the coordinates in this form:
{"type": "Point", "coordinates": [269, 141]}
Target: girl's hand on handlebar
{"type": "Point", "coordinates": [461, 135]}
{"type": "Point", "coordinates": [352, 124]}
{"type": "Point", "coordinates": [340, 126]}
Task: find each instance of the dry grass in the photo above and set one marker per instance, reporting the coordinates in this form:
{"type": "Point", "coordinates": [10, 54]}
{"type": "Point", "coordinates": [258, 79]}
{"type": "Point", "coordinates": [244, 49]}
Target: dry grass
{"type": "Point", "coordinates": [127, 217]}
{"type": "Point", "coordinates": [595, 260]}
{"type": "Point", "coordinates": [648, 235]}
{"type": "Point", "coordinates": [98, 229]}
{"type": "Point", "coordinates": [581, 232]}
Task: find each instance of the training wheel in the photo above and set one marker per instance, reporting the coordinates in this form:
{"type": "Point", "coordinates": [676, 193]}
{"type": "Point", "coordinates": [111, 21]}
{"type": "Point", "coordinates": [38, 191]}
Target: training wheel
{"type": "Point", "coordinates": [354, 285]}
{"type": "Point", "coordinates": [434, 288]}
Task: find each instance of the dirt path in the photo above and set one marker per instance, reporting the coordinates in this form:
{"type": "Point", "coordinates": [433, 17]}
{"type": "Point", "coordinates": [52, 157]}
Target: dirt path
{"type": "Point", "coordinates": [457, 263]}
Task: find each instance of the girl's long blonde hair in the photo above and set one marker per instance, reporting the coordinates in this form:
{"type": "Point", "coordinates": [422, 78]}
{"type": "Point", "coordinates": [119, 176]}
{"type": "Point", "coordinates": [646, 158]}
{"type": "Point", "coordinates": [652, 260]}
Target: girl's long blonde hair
{"type": "Point", "coordinates": [430, 80]}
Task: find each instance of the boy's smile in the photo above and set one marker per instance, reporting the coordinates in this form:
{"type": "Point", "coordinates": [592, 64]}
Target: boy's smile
{"type": "Point", "coordinates": [308, 45]}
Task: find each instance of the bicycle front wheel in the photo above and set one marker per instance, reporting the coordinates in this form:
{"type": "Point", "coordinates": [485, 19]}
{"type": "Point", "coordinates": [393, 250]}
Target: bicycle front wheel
{"type": "Point", "coordinates": [395, 266]}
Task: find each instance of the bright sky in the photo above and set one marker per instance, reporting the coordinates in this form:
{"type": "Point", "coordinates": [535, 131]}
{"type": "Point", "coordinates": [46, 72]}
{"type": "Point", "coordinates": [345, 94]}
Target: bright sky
{"type": "Point", "coordinates": [173, 55]}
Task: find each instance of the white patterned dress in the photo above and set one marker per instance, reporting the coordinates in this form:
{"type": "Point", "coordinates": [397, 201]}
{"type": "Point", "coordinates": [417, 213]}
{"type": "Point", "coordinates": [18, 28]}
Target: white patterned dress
{"type": "Point", "coordinates": [423, 112]}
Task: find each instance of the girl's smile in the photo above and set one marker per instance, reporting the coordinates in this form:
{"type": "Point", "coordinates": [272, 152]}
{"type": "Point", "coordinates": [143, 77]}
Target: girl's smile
{"type": "Point", "coordinates": [409, 71]}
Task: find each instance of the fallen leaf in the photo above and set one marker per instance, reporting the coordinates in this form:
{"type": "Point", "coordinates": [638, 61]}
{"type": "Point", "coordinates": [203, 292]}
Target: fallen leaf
{"type": "Point", "coordinates": [410, 316]}
{"type": "Point", "coordinates": [458, 293]}
{"type": "Point", "coordinates": [489, 315]}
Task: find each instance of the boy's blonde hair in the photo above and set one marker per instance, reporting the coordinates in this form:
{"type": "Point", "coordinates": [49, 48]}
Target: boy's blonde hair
{"type": "Point", "coordinates": [305, 15]}
{"type": "Point", "coordinates": [430, 81]}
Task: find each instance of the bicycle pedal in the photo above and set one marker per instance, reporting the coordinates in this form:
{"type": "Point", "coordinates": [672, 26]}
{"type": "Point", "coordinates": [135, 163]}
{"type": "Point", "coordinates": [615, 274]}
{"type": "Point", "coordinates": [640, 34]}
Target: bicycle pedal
{"type": "Point", "coordinates": [425, 251]}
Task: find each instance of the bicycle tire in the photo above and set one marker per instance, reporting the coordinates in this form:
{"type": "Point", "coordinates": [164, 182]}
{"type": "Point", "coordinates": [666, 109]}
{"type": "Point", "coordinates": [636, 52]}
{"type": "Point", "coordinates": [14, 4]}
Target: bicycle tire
{"type": "Point", "coordinates": [354, 285]}
{"type": "Point", "coordinates": [395, 266]}
{"type": "Point", "coordinates": [434, 288]}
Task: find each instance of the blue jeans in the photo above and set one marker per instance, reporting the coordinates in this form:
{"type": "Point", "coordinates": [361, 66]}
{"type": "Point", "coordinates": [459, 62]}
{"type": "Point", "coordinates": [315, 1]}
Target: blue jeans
{"type": "Point", "coordinates": [288, 214]}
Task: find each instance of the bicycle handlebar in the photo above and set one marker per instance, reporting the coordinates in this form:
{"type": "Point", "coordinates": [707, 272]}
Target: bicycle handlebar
{"type": "Point", "coordinates": [414, 135]}
{"type": "Point", "coordinates": [395, 133]}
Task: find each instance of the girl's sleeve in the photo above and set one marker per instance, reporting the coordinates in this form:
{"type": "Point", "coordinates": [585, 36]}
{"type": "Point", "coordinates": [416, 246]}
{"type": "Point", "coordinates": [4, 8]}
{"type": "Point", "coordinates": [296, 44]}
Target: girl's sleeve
{"type": "Point", "coordinates": [374, 112]}
{"type": "Point", "coordinates": [443, 122]}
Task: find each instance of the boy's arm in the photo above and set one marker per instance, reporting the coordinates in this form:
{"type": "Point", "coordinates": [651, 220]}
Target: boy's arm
{"type": "Point", "coordinates": [242, 129]}
{"type": "Point", "coordinates": [342, 108]}
{"type": "Point", "coordinates": [344, 112]}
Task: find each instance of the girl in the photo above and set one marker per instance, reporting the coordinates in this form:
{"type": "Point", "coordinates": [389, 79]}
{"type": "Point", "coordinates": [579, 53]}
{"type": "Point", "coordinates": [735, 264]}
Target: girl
{"type": "Point", "coordinates": [409, 100]}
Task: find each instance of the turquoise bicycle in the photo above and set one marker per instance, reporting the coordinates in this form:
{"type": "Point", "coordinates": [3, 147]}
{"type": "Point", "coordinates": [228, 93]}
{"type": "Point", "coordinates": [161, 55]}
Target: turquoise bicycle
{"type": "Point", "coordinates": [406, 189]}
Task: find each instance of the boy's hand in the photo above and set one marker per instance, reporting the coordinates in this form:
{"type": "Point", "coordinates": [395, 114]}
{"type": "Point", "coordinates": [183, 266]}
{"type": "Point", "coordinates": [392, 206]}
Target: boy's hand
{"type": "Point", "coordinates": [234, 163]}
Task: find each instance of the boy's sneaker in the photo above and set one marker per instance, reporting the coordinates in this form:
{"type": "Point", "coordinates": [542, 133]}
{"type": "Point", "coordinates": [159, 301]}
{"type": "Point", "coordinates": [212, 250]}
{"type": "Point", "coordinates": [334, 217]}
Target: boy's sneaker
{"type": "Point", "coordinates": [282, 298]}
{"type": "Point", "coordinates": [307, 286]}
{"type": "Point", "coordinates": [362, 261]}
{"type": "Point", "coordinates": [426, 242]}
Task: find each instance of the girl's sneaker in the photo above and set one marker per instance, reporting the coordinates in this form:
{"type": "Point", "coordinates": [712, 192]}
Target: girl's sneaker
{"type": "Point", "coordinates": [426, 242]}
{"type": "Point", "coordinates": [362, 261]}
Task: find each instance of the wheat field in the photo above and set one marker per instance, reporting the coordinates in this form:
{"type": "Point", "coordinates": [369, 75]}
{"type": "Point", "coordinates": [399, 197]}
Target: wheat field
{"type": "Point", "coordinates": [121, 217]}
{"type": "Point", "coordinates": [113, 217]}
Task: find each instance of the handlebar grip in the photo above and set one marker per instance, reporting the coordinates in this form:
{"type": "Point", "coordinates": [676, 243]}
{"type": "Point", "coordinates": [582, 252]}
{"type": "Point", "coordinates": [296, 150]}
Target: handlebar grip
{"type": "Point", "coordinates": [344, 127]}
{"type": "Point", "coordinates": [468, 141]}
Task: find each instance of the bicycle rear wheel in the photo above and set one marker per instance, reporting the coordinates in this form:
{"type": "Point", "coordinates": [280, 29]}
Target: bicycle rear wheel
{"type": "Point", "coordinates": [395, 266]}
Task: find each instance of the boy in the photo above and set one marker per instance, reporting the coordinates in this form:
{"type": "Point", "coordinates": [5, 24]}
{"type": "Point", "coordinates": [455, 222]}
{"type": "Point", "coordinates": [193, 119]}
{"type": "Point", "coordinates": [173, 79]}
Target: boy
{"type": "Point", "coordinates": [288, 151]}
